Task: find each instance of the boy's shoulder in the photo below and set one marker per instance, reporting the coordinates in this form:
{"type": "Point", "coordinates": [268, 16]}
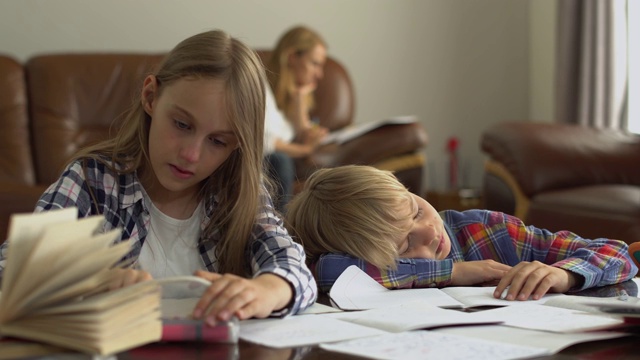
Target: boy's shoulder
{"type": "Point", "coordinates": [458, 219]}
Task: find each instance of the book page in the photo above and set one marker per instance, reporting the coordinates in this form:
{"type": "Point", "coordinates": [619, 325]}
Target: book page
{"type": "Point", "coordinates": [76, 273]}
{"type": "Point", "coordinates": [178, 309]}
{"type": "Point", "coordinates": [24, 230]}
{"type": "Point", "coordinates": [180, 294]}
{"type": "Point", "coordinates": [56, 290]}
{"type": "Point", "coordinates": [472, 296]}
{"type": "Point", "coordinates": [301, 330]}
{"type": "Point", "coordinates": [20, 349]}
{"type": "Point", "coordinates": [431, 345]}
{"type": "Point", "coordinates": [351, 132]}
{"type": "Point", "coordinates": [182, 287]}
{"type": "Point", "coordinates": [412, 316]}
{"type": "Point", "coordinates": [355, 290]}
{"type": "Point", "coordinates": [318, 308]}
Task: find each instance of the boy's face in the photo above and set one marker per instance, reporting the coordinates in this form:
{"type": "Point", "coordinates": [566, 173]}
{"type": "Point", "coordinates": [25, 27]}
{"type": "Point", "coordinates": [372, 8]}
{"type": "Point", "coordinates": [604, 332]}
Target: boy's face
{"type": "Point", "coordinates": [427, 237]}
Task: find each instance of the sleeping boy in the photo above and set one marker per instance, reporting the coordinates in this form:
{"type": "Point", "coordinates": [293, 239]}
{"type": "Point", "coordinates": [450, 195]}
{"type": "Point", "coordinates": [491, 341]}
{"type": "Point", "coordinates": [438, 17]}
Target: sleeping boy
{"type": "Point", "coordinates": [360, 215]}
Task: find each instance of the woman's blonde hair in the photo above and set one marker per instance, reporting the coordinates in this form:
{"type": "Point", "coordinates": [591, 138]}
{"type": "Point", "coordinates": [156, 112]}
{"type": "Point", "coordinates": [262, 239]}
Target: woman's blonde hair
{"type": "Point", "coordinates": [237, 183]}
{"type": "Point", "coordinates": [298, 40]}
{"type": "Point", "coordinates": [352, 209]}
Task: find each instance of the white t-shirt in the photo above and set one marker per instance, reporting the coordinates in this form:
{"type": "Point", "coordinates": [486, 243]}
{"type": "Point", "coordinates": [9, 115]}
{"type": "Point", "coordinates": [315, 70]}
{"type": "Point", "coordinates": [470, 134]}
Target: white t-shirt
{"type": "Point", "coordinates": [171, 246]}
{"type": "Point", "coordinates": [276, 125]}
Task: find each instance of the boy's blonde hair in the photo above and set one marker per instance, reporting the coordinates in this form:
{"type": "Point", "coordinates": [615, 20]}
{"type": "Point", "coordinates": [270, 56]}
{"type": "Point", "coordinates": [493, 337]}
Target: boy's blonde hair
{"type": "Point", "coordinates": [352, 209]}
{"type": "Point", "coordinates": [297, 40]}
{"type": "Point", "coordinates": [237, 182]}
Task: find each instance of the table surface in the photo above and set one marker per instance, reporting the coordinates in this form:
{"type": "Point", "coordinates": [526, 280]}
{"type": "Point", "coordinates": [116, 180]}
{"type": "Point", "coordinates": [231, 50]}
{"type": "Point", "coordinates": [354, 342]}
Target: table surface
{"type": "Point", "coordinates": [627, 347]}
{"type": "Point", "coordinates": [620, 348]}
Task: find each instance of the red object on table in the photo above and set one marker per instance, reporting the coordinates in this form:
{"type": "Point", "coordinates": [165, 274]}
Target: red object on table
{"type": "Point", "coordinates": [452, 149]}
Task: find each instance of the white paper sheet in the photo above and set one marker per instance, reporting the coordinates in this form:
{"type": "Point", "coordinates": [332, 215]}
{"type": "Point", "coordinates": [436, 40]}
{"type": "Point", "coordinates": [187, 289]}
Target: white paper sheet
{"type": "Point", "coordinates": [553, 342]}
{"type": "Point", "coordinates": [412, 316]}
{"type": "Point", "coordinates": [301, 330]}
{"type": "Point", "coordinates": [430, 345]}
{"type": "Point", "coordinates": [550, 318]}
{"type": "Point", "coordinates": [355, 290]}
{"type": "Point", "coordinates": [473, 296]}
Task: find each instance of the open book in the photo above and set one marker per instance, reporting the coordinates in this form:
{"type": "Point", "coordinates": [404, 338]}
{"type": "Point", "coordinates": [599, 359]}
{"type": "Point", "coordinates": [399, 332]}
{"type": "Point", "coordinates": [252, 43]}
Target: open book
{"type": "Point", "coordinates": [351, 132]}
{"type": "Point", "coordinates": [55, 286]}
{"type": "Point", "coordinates": [408, 309]}
{"type": "Point", "coordinates": [355, 290]}
{"type": "Point", "coordinates": [180, 294]}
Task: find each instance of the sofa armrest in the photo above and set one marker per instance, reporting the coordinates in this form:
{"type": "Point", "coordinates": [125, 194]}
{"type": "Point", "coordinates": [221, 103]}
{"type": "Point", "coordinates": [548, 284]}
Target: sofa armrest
{"type": "Point", "coordinates": [16, 198]}
{"type": "Point", "coordinates": [546, 156]}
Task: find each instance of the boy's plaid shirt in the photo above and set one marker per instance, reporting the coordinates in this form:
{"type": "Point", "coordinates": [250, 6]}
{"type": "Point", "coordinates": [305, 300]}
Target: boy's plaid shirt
{"type": "Point", "coordinates": [488, 235]}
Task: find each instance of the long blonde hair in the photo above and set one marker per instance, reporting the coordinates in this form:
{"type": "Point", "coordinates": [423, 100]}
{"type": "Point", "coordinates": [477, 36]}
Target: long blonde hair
{"type": "Point", "coordinates": [297, 40]}
{"type": "Point", "coordinates": [352, 209]}
{"type": "Point", "coordinates": [237, 183]}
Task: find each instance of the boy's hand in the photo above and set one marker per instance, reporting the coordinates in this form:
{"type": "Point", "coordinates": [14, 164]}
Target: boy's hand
{"type": "Point", "coordinates": [477, 272]}
{"type": "Point", "coordinates": [231, 295]}
{"type": "Point", "coordinates": [534, 279]}
{"type": "Point", "coordinates": [126, 277]}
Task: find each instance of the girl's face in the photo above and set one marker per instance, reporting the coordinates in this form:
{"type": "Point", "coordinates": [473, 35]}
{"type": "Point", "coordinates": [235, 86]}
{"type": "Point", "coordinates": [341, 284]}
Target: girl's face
{"type": "Point", "coordinates": [427, 237]}
{"type": "Point", "coordinates": [308, 67]}
{"type": "Point", "coordinates": [190, 134]}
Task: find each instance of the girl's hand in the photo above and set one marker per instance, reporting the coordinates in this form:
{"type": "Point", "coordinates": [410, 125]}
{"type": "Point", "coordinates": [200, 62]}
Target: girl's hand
{"type": "Point", "coordinates": [477, 272]}
{"type": "Point", "coordinates": [534, 279]}
{"type": "Point", "coordinates": [231, 295]}
{"type": "Point", "coordinates": [126, 277]}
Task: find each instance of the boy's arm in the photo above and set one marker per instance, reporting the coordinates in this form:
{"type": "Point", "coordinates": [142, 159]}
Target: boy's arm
{"type": "Point", "coordinates": [410, 273]}
{"type": "Point", "coordinates": [599, 262]}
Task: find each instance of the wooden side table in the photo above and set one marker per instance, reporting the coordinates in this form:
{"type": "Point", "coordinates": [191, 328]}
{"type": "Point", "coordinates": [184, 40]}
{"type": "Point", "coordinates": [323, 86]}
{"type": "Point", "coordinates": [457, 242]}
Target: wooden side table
{"type": "Point", "coordinates": [463, 199]}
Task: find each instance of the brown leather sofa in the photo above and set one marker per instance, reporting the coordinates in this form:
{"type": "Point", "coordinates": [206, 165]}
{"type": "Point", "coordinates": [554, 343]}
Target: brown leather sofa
{"type": "Point", "coordinates": [52, 105]}
{"type": "Point", "coordinates": [565, 177]}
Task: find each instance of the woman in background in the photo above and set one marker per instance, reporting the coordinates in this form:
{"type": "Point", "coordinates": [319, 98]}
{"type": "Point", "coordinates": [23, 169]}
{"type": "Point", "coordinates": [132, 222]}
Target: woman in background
{"type": "Point", "coordinates": [294, 69]}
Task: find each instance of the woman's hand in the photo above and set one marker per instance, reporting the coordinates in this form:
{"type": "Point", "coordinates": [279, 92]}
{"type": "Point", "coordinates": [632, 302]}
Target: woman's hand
{"type": "Point", "coordinates": [231, 295]}
{"type": "Point", "coordinates": [298, 93]}
{"type": "Point", "coordinates": [313, 135]}
{"type": "Point", "coordinates": [298, 111]}
{"type": "Point", "coordinates": [534, 279]}
{"type": "Point", "coordinates": [126, 277]}
{"type": "Point", "coordinates": [477, 272]}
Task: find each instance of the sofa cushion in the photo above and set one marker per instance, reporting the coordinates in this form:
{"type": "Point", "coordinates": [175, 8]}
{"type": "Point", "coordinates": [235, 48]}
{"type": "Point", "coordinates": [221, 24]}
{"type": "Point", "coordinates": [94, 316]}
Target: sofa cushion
{"type": "Point", "coordinates": [15, 150]}
{"type": "Point", "coordinates": [590, 211]}
{"type": "Point", "coordinates": [550, 156]}
{"type": "Point", "coordinates": [74, 99]}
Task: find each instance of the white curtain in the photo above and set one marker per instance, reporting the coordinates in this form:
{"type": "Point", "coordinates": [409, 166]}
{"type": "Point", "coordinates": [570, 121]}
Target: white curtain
{"type": "Point", "coordinates": [591, 71]}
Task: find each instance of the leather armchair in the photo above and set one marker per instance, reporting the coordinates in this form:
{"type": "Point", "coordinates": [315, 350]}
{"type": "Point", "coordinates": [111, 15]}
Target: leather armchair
{"type": "Point", "coordinates": [565, 177]}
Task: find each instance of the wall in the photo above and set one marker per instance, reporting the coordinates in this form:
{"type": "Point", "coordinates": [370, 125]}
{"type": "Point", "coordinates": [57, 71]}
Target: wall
{"type": "Point", "coordinates": [542, 59]}
{"type": "Point", "coordinates": [459, 65]}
